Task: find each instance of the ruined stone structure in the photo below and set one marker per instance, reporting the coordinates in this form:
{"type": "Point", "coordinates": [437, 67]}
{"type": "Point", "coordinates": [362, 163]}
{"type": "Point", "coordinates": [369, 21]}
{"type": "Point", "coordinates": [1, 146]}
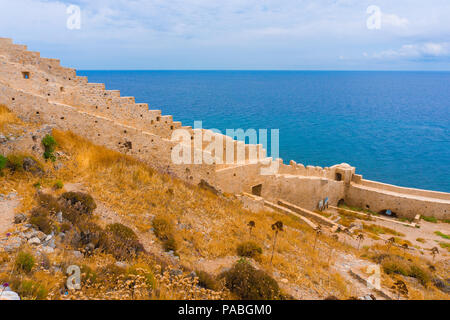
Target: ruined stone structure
{"type": "Point", "coordinates": [41, 90]}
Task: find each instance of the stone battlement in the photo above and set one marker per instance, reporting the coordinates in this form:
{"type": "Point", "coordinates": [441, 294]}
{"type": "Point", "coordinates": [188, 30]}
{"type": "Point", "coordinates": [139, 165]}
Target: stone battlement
{"type": "Point", "coordinates": [41, 90]}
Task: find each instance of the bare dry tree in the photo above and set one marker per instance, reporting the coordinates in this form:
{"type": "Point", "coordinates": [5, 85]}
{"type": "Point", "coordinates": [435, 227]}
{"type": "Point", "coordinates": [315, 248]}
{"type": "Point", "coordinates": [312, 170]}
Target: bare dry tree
{"type": "Point", "coordinates": [276, 227]}
{"type": "Point", "coordinates": [251, 224]}
{"type": "Point", "coordinates": [405, 247]}
{"type": "Point", "coordinates": [389, 243]}
{"type": "Point", "coordinates": [434, 252]}
{"type": "Point", "coordinates": [400, 288]}
{"type": "Point", "coordinates": [360, 238]}
{"type": "Point", "coordinates": [318, 230]}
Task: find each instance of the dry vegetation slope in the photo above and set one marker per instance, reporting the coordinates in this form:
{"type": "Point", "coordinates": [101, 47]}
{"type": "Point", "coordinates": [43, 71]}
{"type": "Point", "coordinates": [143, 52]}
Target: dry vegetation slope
{"type": "Point", "coordinates": [200, 228]}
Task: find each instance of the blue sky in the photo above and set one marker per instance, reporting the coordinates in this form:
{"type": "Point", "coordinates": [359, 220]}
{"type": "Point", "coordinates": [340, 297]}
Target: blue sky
{"type": "Point", "coordinates": [235, 34]}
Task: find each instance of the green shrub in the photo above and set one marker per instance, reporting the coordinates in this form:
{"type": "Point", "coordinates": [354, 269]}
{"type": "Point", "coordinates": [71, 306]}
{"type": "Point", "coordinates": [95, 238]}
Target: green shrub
{"type": "Point", "coordinates": [3, 161]}
{"type": "Point", "coordinates": [24, 261]}
{"type": "Point", "coordinates": [429, 219]}
{"type": "Point", "coordinates": [82, 202]}
{"type": "Point", "coordinates": [443, 235]}
{"type": "Point", "coordinates": [49, 144]}
{"type": "Point", "coordinates": [248, 249]}
{"type": "Point", "coordinates": [58, 184]}
{"type": "Point", "coordinates": [15, 163]}
{"type": "Point", "coordinates": [250, 284]}
{"type": "Point", "coordinates": [144, 271]}
{"type": "Point", "coordinates": [29, 289]}
{"type": "Point", "coordinates": [205, 280]}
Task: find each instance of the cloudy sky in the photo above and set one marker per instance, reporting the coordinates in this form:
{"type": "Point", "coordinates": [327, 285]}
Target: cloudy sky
{"type": "Point", "coordinates": [235, 34]}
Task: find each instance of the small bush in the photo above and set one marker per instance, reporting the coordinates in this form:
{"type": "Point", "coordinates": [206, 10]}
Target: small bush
{"type": "Point", "coordinates": [29, 289]}
{"type": "Point", "coordinates": [49, 144]}
{"type": "Point", "coordinates": [64, 227]}
{"type": "Point", "coordinates": [58, 184]}
{"type": "Point", "coordinates": [89, 275]}
{"type": "Point", "coordinates": [249, 249]}
{"type": "Point", "coordinates": [25, 261]}
{"type": "Point", "coordinates": [420, 274]}
{"type": "Point", "coordinates": [40, 219]}
{"type": "Point", "coordinates": [205, 280]}
{"type": "Point", "coordinates": [121, 242]}
{"type": "Point", "coordinates": [250, 284]}
{"type": "Point", "coordinates": [443, 235]}
{"type": "Point", "coordinates": [162, 227]}
{"type": "Point", "coordinates": [144, 270]}
{"type": "Point", "coordinates": [393, 264]}
{"type": "Point", "coordinates": [3, 161]}
{"type": "Point", "coordinates": [15, 163]}
{"type": "Point", "coordinates": [430, 219]}
{"type": "Point", "coordinates": [121, 231]}
{"type": "Point", "coordinates": [170, 244]}
{"type": "Point", "coordinates": [80, 201]}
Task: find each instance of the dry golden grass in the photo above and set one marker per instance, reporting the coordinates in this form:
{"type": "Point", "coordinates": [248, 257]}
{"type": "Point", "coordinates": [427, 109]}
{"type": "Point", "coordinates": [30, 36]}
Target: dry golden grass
{"type": "Point", "coordinates": [216, 225]}
{"type": "Point", "coordinates": [9, 122]}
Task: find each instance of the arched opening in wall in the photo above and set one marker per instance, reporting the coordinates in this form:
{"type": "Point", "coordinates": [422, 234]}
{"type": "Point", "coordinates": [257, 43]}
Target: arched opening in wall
{"type": "Point", "coordinates": [341, 202]}
{"type": "Point", "coordinates": [388, 213]}
{"type": "Point", "coordinates": [26, 75]}
{"type": "Point", "coordinates": [338, 176]}
{"type": "Point", "coordinates": [158, 118]}
{"type": "Point", "coordinates": [256, 190]}
{"type": "Point", "coordinates": [61, 89]}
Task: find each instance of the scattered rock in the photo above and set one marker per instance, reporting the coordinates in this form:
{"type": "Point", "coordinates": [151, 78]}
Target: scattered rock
{"type": "Point", "coordinates": [31, 165]}
{"type": "Point", "coordinates": [121, 264]}
{"type": "Point", "coordinates": [48, 249]}
{"type": "Point", "coordinates": [357, 225]}
{"type": "Point", "coordinates": [77, 254]}
{"type": "Point", "coordinates": [19, 218]}
{"type": "Point", "coordinates": [13, 244]}
{"type": "Point", "coordinates": [441, 285]}
{"type": "Point", "coordinates": [59, 217]}
{"type": "Point", "coordinates": [9, 295]}
{"type": "Point", "coordinates": [34, 241]}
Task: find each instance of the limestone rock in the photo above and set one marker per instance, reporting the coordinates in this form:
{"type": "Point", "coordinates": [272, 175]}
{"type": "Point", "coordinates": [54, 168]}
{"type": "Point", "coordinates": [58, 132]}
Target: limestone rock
{"type": "Point", "coordinates": [34, 241]}
{"type": "Point", "coordinates": [121, 264]}
{"type": "Point", "coordinates": [31, 165]}
{"type": "Point", "coordinates": [9, 295]}
{"type": "Point", "coordinates": [19, 218]}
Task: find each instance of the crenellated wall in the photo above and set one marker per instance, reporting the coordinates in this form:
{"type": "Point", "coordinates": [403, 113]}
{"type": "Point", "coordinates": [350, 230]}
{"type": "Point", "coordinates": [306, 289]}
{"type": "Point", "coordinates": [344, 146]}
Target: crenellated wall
{"type": "Point", "coordinates": [40, 89]}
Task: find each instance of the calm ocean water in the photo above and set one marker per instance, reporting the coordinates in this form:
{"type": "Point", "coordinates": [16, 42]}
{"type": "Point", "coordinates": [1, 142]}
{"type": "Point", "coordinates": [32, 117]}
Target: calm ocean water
{"type": "Point", "coordinates": [393, 126]}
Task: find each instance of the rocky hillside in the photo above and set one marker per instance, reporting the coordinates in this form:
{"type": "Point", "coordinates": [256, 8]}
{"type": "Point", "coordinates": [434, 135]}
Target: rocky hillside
{"type": "Point", "coordinates": [136, 233]}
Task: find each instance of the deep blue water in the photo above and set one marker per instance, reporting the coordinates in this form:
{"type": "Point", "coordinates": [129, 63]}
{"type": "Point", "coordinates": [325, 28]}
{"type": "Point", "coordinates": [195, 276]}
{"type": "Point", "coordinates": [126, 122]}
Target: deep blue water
{"type": "Point", "coordinates": [393, 126]}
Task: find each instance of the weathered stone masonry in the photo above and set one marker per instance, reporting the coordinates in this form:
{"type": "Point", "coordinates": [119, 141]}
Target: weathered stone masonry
{"type": "Point", "coordinates": [40, 89]}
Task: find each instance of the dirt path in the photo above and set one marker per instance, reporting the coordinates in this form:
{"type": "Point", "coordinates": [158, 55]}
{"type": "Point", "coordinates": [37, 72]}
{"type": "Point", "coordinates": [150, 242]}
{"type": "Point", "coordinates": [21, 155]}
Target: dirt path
{"type": "Point", "coordinates": [8, 204]}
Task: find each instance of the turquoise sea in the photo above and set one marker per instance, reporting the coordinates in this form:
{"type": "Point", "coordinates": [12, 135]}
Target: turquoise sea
{"type": "Point", "coordinates": [394, 127]}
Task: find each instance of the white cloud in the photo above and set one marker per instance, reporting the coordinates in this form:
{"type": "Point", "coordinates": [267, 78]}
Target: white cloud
{"type": "Point", "coordinates": [173, 33]}
{"type": "Point", "coordinates": [422, 50]}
